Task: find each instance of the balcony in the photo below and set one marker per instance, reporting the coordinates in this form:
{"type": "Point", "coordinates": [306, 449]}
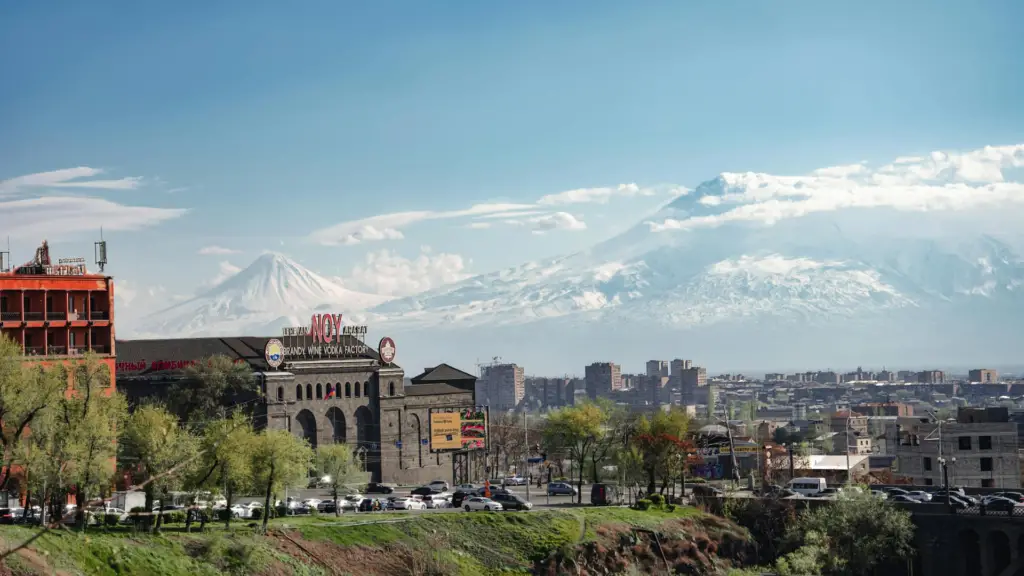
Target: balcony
{"type": "Point", "coordinates": [56, 316]}
{"type": "Point", "coordinates": [34, 316]}
{"type": "Point", "coordinates": [78, 350]}
{"type": "Point", "coordinates": [99, 315]}
{"type": "Point", "coordinates": [10, 316]}
{"type": "Point", "coordinates": [56, 351]}
{"type": "Point", "coordinates": [100, 349]}
{"type": "Point", "coordinates": [34, 351]}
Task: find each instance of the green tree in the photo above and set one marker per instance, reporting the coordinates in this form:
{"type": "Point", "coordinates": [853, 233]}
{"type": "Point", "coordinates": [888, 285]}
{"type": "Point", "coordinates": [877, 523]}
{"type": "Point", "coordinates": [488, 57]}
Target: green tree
{"type": "Point", "coordinates": [662, 442]}
{"type": "Point", "coordinates": [161, 450]}
{"type": "Point", "coordinates": [337, 462]}
{"type": "Point", "coordinates": [576, 430]}
{"type": "Point", "coordinates": [209, 386]}
{"type": "Point", "coordinates": [88, 424]}
{"type": "Point", "coordinates": [861, 532]}
{"type": "Point", "coordinates": [280, 459]}
{"type": "Point", "coordinates": [26, 390]}
{"type": "Point", "coordinates": [225, 459]}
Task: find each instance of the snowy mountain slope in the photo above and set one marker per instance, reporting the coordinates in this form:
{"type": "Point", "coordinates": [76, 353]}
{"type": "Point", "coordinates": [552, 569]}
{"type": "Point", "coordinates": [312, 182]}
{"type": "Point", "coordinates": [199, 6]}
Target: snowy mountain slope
{"type": "Point", "coordinates": [272, 292]}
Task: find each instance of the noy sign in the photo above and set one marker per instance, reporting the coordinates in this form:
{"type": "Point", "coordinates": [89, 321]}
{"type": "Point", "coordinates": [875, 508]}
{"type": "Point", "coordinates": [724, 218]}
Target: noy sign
{"type": "Point", "coordinates": [325, 337]}
{"type": "Point", "coordinates": [386, 349]}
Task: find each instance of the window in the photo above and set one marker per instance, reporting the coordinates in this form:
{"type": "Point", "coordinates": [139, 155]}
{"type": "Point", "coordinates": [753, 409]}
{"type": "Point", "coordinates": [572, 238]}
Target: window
{"type": "Point", "coordinates": [984, 442]}
{"type": "Point", "coordinates": [988, 483]}
{"type": "Point", "coordinates": [391, 388]}
{"type": "Point", "coordinates": [329, 392]}
{"type": "Point", "coordinates": [367, 391]}
{"type": "Point", "coordinates": [965, 442]}
{"type": "Point", "coordinates": [927, 481]}
{"type": "Point", "coordinates": [309, 391]}
{"type": "Point", "coordinates": [298, 391]}
{"type": "Point", "coordinates": [927, 463]}
{"type": "Point", "coordinates": [348, 389]}
{"type": "Point", "coordinates": [986, 464]}
{"type": "Point", "coordinates": [280, 393]}
{"type": "Point", "coordinates": [319, 391]}
{"type": "Point", "coordinates": [357, 389]}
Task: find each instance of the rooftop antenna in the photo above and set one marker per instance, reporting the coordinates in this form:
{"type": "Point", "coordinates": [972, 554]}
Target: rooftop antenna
{"type": "Point", "coordinates": [100, 251]}
{"type": "Point", "coordinates": [5, 257]}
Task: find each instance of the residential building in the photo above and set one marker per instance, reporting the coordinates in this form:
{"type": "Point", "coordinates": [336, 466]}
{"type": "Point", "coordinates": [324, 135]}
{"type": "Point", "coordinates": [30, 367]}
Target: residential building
{"type": "Point", "coordinates": [931, 377]}
{"type": "Point", "coordinates": [694, 385]}
{"type": "Point", "coordinates": [980, 449]}
{"type": "Point", "coordinates": [676, 368]}
{"type": "Point", "coordinates": [884, 409]}
{"type": "Point", "coordinates": [505, 385]}
{"type": "Point", "coordinates": [983, 376]}
{"type": "Point", "coordinates": [602, 378]}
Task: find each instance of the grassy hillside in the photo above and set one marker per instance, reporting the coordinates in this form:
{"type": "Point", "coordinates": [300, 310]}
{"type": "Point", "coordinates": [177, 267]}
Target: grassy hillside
{"type": "Point", "coordinates": [356, 544]}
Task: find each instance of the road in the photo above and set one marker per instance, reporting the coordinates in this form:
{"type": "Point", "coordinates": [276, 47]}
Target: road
{"type": "Point", "coordinates": [537, 495]}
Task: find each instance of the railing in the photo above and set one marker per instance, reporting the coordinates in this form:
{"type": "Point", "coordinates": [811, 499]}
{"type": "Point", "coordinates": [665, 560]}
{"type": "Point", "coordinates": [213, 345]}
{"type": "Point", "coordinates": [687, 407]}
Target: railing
{"type": "Point", "coordinates": [99, 315]}
{"type": "Point", "coordinates": [1015, 512]}
{"type": "Point", "coordinates": [10, 316]}
{"type": "Point", "coordinates": [99, 349]}
{"type": "Point", "coordinates": [76, 350]}
{"type": "Point", "coordinates": [34, 316]}
{"type": "Point", "coordinates": [57, 350]}
{"type": "Point", "coordinates": [56, 315]}
{"type": "Point", "coordinates": [35, 351]}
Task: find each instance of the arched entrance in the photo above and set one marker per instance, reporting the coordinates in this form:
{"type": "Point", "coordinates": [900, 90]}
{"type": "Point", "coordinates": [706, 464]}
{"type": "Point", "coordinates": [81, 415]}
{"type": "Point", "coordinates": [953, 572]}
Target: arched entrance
{"type": "Point", "coordinates": [307, 421]}
{"type": "Point", "coordinates": [337, 419]}
{"type": "Point", "coordinates": [999, 545]}
{"type": "Point", "coordinates": [970, 553]}
{"type": "Point", "coordinates": [366, 438]}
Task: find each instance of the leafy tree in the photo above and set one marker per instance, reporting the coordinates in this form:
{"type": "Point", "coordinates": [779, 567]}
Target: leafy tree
{"type": "Point", "coordinates": [280, 459]}
{"type": "Point", "coordinates": [577, 430]}
{"type": "Point", "coordinates": [26, 389]}
{"type": "Point", "coordinates": [338, 463]}
{"type": "Point", "coordinates": [860, 531]}
{"type": "Point", "coordinates": [225, 459]}
{"type": "Point", "coordinates": [811, 558]}
{"type": "Point", "coordinates": [662, 442]}
{"type": "Point", "coordinates": [88, 423]}
{"type": "Point", "coordinates": [161, 450]}
{"type": "Point", "coordinates": [208, 387]}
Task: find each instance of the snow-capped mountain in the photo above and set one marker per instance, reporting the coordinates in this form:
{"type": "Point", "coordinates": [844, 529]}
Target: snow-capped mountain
{"type": "Point", "coordinates": [272, 292]}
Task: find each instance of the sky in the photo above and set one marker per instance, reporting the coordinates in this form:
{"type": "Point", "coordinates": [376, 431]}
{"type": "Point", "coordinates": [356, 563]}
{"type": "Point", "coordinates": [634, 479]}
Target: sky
{"type": "Point", "coordinates": [402, 145]}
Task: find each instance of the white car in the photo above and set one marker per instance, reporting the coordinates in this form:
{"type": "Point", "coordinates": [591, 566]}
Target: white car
{"type": "Point", "coordinates": [408, 504]}
{"type": "Point", "coordinates": [436, 501]}
{"type": "Point", "coordinates": [237, 510]}
{"type": "Point", "coordinates": [479, 503]}
{"type": "Point", "coordinates": [514, 481]}
{"type": "Point", "coordinates": [439, 485]}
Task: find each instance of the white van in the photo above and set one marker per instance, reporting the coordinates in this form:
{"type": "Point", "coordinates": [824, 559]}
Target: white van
{"type": "Point", "coordinates": [807, 486]}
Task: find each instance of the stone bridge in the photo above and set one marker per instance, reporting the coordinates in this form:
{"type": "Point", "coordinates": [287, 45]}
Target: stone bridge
{"type": "Point", "coordinates": [967, 544]}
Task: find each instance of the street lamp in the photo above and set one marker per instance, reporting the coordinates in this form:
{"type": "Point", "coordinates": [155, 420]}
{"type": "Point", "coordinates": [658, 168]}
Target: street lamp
{"type": "Point", "coordinates": [945, 475]}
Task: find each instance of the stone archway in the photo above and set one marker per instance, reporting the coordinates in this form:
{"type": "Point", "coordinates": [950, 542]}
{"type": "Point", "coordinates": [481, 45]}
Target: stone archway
{"type": "Point", "coordinates": [1000, 555]}
{"type": "Point", "coordinates": [307, 421]}
{"type": "Point", "coordinates": [337, 419]}
{"type": "Point", "coordinates": [970, 553]}
{"type": "Point", "coordinates": [366, 441]}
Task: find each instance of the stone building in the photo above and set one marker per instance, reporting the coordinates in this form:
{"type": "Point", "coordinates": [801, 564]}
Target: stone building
{"type": "Point", "coordinates": [346, 395]}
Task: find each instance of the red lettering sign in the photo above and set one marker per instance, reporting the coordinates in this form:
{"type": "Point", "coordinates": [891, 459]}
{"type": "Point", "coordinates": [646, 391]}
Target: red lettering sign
{"type": "Point", "coordinates": [325, 328]}
{"type": "Point", "coordinates": [159, 365]}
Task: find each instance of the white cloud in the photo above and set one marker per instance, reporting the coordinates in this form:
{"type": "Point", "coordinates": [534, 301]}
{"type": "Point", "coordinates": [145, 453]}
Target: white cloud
{"type": "Point", "coordinates": [939, 181]}
{"type": "Point", "coordinates": [67, 178]}
{"type": "Point", "coordinates": [770, 265]}
{"type": "Point", "coordinates": [556, 221]}
{"type": "Point", "coordinates": [58, 216]}
{"type": "Point", "coordinates": [226, 270]}
{"type": "Point", "coordinates": [388, 273]}
{"type": "Point", "coordinates": [600, 195]}
{"type": "Point", "coordinates": [387, 226]}
{"type": "Point", "coordinates": [478, 225]}
{"type": "Point", "coordinates": [217, 251]}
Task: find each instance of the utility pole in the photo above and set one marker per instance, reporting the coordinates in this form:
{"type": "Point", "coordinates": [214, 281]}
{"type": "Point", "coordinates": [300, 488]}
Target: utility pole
{"type": "Point", "coordinates": [526, 453]}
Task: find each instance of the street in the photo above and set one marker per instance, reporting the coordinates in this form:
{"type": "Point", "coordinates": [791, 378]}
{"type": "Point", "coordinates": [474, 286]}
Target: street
{"type": "Point", "coordinates": [538, 496]}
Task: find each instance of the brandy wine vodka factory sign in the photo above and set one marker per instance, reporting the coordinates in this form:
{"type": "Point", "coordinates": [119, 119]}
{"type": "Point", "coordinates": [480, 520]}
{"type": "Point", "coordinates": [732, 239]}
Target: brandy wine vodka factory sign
{"type": "Point", "coordinates": [325, 337]}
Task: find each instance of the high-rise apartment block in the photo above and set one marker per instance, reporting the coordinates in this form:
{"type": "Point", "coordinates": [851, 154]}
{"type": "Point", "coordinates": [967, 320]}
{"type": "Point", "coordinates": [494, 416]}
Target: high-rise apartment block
{"type": "Point", "coordinates": [657, 368]}
{"type": "Point", "coordinates": [983, 376]}
{"type": "Point", "coordinates": [504, 385]}
{"type": "Point", "coordinates": [931, 377]}
{"type": "Point", "coordinates": [694, 385]}
{"type": "Point", "coordinates": [602, 378]}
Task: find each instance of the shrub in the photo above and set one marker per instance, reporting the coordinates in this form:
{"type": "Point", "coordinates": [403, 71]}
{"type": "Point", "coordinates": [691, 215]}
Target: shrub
{"type": "Point", "coordinates": [657, 500]}
{"type": "Point", "coordinates": [282, 511]}
{"type": "Point", "coordinates": [643, 504]}
{"type": "Point", "coordinates": [111, 519]}
{"type": "Point", "coordinates": [670, 508]}
{"type": "Point", "coordinates": [697, 480]}
{"type": "Point", "coordinates": [138, 515]}
{"type": "Point", "coordinates": [174, 517]}
{"type": "Point", "coordinates": [223, 514]}
{"type": "Point", "coordinates": [313, 511]}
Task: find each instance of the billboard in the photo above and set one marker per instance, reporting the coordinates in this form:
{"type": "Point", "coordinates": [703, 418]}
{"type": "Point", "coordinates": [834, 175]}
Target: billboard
{"type": "Point", "coordinates": [453, 429]}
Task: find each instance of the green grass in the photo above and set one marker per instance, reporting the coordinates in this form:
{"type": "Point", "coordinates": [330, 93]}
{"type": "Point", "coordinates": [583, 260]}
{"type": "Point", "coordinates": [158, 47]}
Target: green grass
{"type": "Point", "coordinates": [466, 543]}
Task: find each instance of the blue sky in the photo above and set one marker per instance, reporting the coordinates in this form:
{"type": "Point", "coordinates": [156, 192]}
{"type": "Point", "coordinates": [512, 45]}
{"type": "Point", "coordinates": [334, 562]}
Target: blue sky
{"type": "Point", "coordinates": [264, 123]}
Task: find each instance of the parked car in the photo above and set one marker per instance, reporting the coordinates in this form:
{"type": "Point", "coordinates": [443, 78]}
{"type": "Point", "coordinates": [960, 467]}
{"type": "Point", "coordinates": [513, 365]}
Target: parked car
{"type": "Point", "coordinates": [561, 488]}
{"type": "Point", "coordinates": [604, 494]}
{"type": "Point", "coordinates": [436, 501]}
{"type": "Point", "coordinates": [477, 503]}
{"type": "Point", "coordinates": [370, 504]}
{"type": "Point", "coordinates": [439, 485]}
{"type": "Point", "coordinates": [512, 502]}
{"type": "Point", "coordinates": [424, 491]}
{"type": "Point", "coordinates": [1000, 504]}
{"type": "Point", "coordinates": [493, 489]}
{"type": "Point", "coordinates": [920, 495]}
{"type": "Point", "coordinates": [378, 488]}
{"type": "Point", "coordinates": [328, 507]}
{"type": "Point", "coordinates": [408, 504]}
{"type": "Point", "coordinates": [466, 487]}
{"type": "Point", "coordinates": [515, 480]}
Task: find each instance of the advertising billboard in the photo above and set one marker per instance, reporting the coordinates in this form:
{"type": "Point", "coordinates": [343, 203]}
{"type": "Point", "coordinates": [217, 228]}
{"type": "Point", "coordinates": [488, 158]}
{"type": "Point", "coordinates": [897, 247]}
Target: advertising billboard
{"type": "Point", "coordinates": [453, 429]}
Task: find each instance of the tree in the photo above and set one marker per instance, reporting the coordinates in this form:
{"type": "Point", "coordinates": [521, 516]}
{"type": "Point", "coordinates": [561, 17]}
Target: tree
{"type": "Point", "coordinates": [337, 462]}
{"type": "Point", "coordinates": [89, 421]}
{"type": "Point", "coordinates": [26, 389]}
{"type": "Point", "coordinates": [662, 442]}
{"type": "Point", "coordinates": [208, 387]}
{"type": "Point", "coordinates": [161, 450]}
{"type": "Point", "coordinates": [577, 430]}
{"type": "Point", "coordinates": [225, 459]}
{"type": "Point", "coordinates": [861, 532]}
{"type": "Point", "coordinates": [280, 459]}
